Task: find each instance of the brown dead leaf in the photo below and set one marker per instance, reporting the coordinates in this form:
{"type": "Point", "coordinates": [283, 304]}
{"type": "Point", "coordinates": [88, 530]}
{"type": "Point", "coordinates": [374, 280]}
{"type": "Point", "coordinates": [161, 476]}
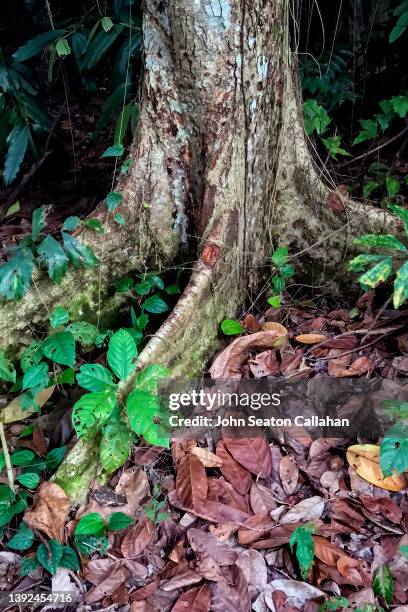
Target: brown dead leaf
{"type": "Point", "coordinates": [205, 544]}
{"type": "Point", "coordinates": [142, 606]}
{"type": "Point", "coordinates": [228, 363]}
{"type": "Point", "coordinates": [261, 499]}
{"type": "Point", "coordinates": [253, 566]}
{"type": "Point", "coordinates": [50, 511]}
{"type": "Point", "coordinates": [220, 490]}
{"type": "Point", "coordinates": [311, 338]}
{"type": "Point", "coordinates": [191, 482]}
{"type": "Point", "coordinates": [360, 366]}
{"type": "Point", "coordinates": [197, 599]}
{"type": "Point", "coordinates": [254, 528]}
{"type": "Point", "coordinates": [250, 323]}
{"type": "Point", "coordinates": [382, 505]}
{"type": "Point", "coordinates": [181, 580]}
{"type": "Point", "coordinates": [264, 364]}
{"type": "Point", "coordinates": [274, 326]}
{"type": "Point", "coordinates": [252, 453]}
{"type": "Point", "coordinates": [289, 474]}
{"type": "Point", "coordinates": [365, 459]}
{"type": "Point", "coordinates": [207, 458]}
{"type": "Point", "coordinates": [308, 509]}
{"type": "Point", "coordinates": [134, 484]}
{"type": "Point", "coordinates": [144, 592]}
{"type": "Point", "coordinates": [137, 537]}
{"type": "Point", "coordinates": [13, 411]}
{"type": "Point", "coordinates": [328, 553]}
{"type": "Point", "coordinates": [231, 593]}
{"type": "Point", "coordinates": [108, 586]}
{"type": "Point", "coordinates": [96, 570]}
{"type": "Point", "coordinates": [236, 474]}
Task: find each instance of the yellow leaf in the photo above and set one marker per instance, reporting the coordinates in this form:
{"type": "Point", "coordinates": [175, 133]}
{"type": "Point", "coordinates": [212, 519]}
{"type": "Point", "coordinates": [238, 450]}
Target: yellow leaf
{"type": "Point", "coordinates": [311, 338]}
{"type": "Point", "coordinates": [275, 326]}
{"type": "Point", "coordinates": [13, 411]}
{"type": "Point", "coordinates": [365, 459]}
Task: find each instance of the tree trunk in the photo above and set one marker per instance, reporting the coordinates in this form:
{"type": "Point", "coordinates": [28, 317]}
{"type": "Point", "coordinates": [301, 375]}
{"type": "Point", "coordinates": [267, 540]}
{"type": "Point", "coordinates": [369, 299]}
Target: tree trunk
{"type": "Point", "coordinates": [221, 172]}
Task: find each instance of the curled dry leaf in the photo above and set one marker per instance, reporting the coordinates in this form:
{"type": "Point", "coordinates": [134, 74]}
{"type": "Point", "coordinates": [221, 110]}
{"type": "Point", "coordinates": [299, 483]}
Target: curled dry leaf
{"type": "Point", "coordinates": [252, 453]}
{"type": "Point", "coordinates": [264, 364]}
{"type": "Point", "coordinates": [328, 553]}
{"type": "Point", "coordinates": [360, 366]}
{"type": "Point", "coordinates": [191, 482]}
{"type": "Point", "coordinates": [306, 510]}
{"type": "Point", "coordinates": [236, 474]}
{"type": "Point", "coordinates": [365, 459]}
{"type": "Point", "coordinates": [289, 474]}
{"type": "Point", "coordinates": [207, 458]}
{"type": "Point", "coordinates": [274, 326]}
{"type": "Point", "coordinates": [197, 599]}
{"type": "Point", "coordinates": [382, 505]}
{"type": "Point", "coordinates": [311, 338]}
{"type": "Point", "coordinates": [228, 363]}
{"type": "Point", "coordinates": [250, 323]}
{"type": "Point", "coordinates": [50, 511]}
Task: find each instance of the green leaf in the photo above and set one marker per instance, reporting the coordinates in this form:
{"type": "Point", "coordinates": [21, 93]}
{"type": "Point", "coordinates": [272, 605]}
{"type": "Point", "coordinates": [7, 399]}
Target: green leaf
{"type": "Point", "coordinates": [404, 551]}
{"type": "Point", "coordinates": [143, 288]}
{"type": "Point", "coordinates": [280, 256]}
{"type": "Point", "coordinates": [52, 255]}
{"type": "Point", "coordinates": [124, 284]}
{"type": "Point", "coordinates": [360, 263]}
{"type": "Point", "coordinates": [118, 521]}
{"type": "Point", "coordinates": [155, 305]}
{"type": "Point", "coordinates": [394, 450]}
{"type": "Point", "coordinates": [38, 222]}
{"type": "Point", "coordinates": [62, 47]}
{"type": "Point", "coordinates": [334, 603]}
{"type": "Point", "coordinates": [31, 355]}
{"type": "Point", "coordinates": [316, 117]}
{"type": "Point", "coordinates": [50, 559]}
{"type": "Point", "coordinates": [54, 457]}
{"type": "Point", "coordinates": [36, 376]}
{"type": "Point", "coordinates": [17, 146]}
{"type": "Point", "coordinates": [7, 370]}
{"type": "Point", "coordinates": [71, 223]}
{"type": "Point", "coordinates": [141, 409]}
{"type": "Point", "coordinates": [28, 565]}
{"type": "Point", "coordinates": [59, 316]}
{"type": "Point", "coordinates": [69, 559]}
{"type": "Point", "coordinates": [114, 151]}
{"type": "Point", "coordinates": [113, 200]}
{"type": "Point", "coordinates": [106, 23]}
{"type": "Point", "coordinates": [121, 354]}
{"type": "Point", "coordinates": [119, 219]}
{"type": "Point", "coordinates": [376, 275]}
{"type": "Point", "coordinates": [36, 45]}
{"type": "Point", "coordinates": [148, 379]}
{"type": "Point", "coordinates": [400, 27]}
{"type": "Point", "coordinates": [396, 408]}
{"type": "Point", "coordinates": [400, 105]}
{"type": "Point", "coordinates": [274, 301]}
{"type": "Point", "coordinates": [83, 332]}
{"type": "Point", "coordinates": [91, 411]}
{"type": "Point", "coordinates": [401, 213]}
{"type": "Point", "coordinates": [22, 458]}
{"type": "Point", "coordinates": [60, 348]}
{"type": "Point", "coordinates": [90, 524]}
{"type": "Point", "coordinates": [115, 445]}
{"type": "Point", "coordinates": [383, 583]}
{"type": "Point", "coordinates": [369, 187]}
{"type": "Point", "coordinates": [332, 144]}
{"type": "Point", "coordinates": [15, 275]}
{"type": "Point", "coordinates": [368, 132]}
{"type": "Point", "coordinates": [87, 545]}
{"type": "Point", "coordinates": [98, 47]}
{"type": "Point", "coordinates": [79, 253]}
{"type": "Point", "coordinates": [302, 539]}
{"type": "Point", "coordinates": [229, 327]}
{"type": "Point", "coordinates": [95, 225]}
{"type": "Point", "coordinates": [380, 241]}
{"type": "Point", "coordinates": [95, 377]}
{"type": "Point", "coordinates": [125, 167]}
{"type": "Point", "coordinates": [23, 539]}
{"type": "Point", "coordinates": [393, 185]}
{"type": "Point", "coordinates": [401, 286]}
{"type": "Point", "coordinates": [29, 480]}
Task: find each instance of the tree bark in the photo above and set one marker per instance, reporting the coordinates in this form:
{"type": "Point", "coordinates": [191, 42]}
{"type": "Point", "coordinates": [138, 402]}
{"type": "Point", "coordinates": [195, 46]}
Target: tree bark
{"type": "Point", "coordinates": [221, 172]}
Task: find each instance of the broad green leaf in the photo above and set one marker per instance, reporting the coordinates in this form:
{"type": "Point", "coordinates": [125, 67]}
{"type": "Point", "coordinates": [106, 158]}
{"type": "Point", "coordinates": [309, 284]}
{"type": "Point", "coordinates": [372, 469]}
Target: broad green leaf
{"type": "Point", "coordinates": [118, 521]}
{"type": "Point", "coordinates": [380, 241]}
{"type": "Point", "coordinates": [141, 409]}
{"type": "Point", "coordinates": [158, 433]}
{"type": "Point", "coordinates": [332, 144]}
{"type": "Point", "coordinates": [36, 376]}
{"type": "Point", "coordinates": [383, 583]}
{"type": "Point", "coordinates": [15, 275]}
{"type": "Point", "coordinates": [404, 551]}
{"type": "Point", "coordinates": [89, 544]}
{"type": "Point", "coordinates": [79, 253]}
{"type": "Point", "coordinates": [376, 275]}
{"type": "Point", "coordinates": [60, 347]}
{"type": "Point", "coordinates": [155, 305]}
{"type": "Point", "coordinates": [274, 301]}
{"type": "Point", "coordinates": [334, 603]}
{"type": "Point", "coordinates": [113, 200]}
{"type": "Point", "coordinates": [401, 213]}
{"type": "Point", "coordinates": [368, 132]}
{"type": "Point", "coordinates": [280, 256]}
{"type": "Point", "coordinates": [396, 408]}
{"type": "Point", "coordinates": [302, 539]}
{"type": "Point", "coordinates": [394, 450]}
{"type": "Point", "coordinates": [29, 480]}
{"type": "Point", "coordinates": [119, 219]}
{"type": "Point", "coordinates": [92, 411]}
{"type": "Point", "coordinates": [401, 286]}
{"type": "Point", "coordinates": [59, 316]}
{"type": "Point", "coordinates": [98, 47]}
{"type": "Point", "coordinates": [278, 284]}
{"type": "Point", "coordinates": [393, 185]}
{"type": "Point", "coordinates": [23, 539]}
{"type": "Point", "coordinates": [71, 223]}
{"type": "Point", "coordinates": [121, 354]}
{"type": "Point", "coordinates": [31, 355]}
{"type": "Point", "coordinates": [95, 225]}
{"type": "Point", "coordinates": [143, 288]}
{"type": "Point", "coordinates": [62, 47]}
{"type": "Point", "coordinates": [6, 494]}
{"type": "Point", "coordinates": [400, 105]}
{"type": "Point", "coordinates": [38, 222]}
{"type": "Point", "coordinates": [69, 559]}
{"type": "Point", "coordinates": [115, 445]}
{"type": "Point", "coordinates": [360, 263]}
{"type": "Point", "coordinates": [22, 458]}
{"type": "Point", "coordinates": [28, 565]}
{"type": "Point", "coordinates": [124, 284]}
{"type": "Point", "coordinates": [148, 378]}
{"type": "Point", "coordinates": [17, 146]}
{"type": "Point", "coordinates": [316, 117]}
{"type": "Point", "coordinates": [90, 524]}
{"type": "Point", "coordinates": [36, 45]}
{"type": "Point", "coordinates": [229, 327]}
{"type": "Point", "coordinates": [114, 151]}
{"type": "Point", "coordinates": [7, 370]}
{"type": "Point", "coordinates": [54, 457]}
{"type": "Point", "coordinates": [95, 377]}
{"type": "Point", "coordinates": [83, 332]}
{"type": "Point", "coordinates": [106, 23]}
{"type": "Point", "coordinates": [50, 558]}
{"type": "Point", "coordinates": [52, 255]}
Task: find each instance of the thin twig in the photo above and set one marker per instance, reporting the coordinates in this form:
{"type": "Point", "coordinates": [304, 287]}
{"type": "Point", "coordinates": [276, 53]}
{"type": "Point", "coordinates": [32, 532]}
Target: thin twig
{"type": "Point", "coordinates": [377, 316]}
{"type": "Point", "coordinates": [381, 146]}
{"type": "Point", "coordinates": [7, 460]}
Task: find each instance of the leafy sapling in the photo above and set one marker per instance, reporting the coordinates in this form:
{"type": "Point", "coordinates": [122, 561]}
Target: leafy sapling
{"type": "Point", "coordinates": [282, 271]}
{"type": "Point", "coordinates": [302, 540]}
